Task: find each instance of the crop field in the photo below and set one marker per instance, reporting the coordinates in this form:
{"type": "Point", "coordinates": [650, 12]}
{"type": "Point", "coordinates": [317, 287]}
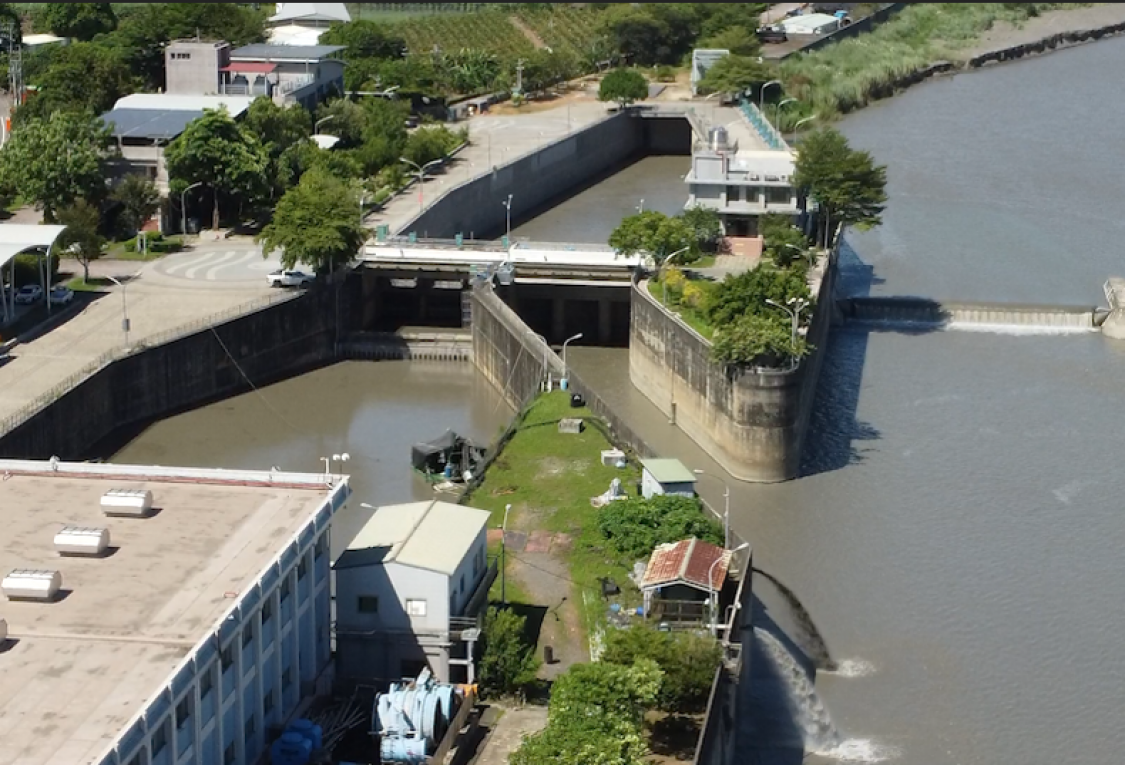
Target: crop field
{"type": "Point", "coordinates": [565, 28]}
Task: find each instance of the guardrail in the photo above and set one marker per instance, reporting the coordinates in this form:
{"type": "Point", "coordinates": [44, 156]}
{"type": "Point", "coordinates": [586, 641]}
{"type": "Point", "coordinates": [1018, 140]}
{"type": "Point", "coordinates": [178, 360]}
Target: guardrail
{"type": "Point", "coordinates": [765, 129]}
{"type": "Point", "coordinates": [52, 394]}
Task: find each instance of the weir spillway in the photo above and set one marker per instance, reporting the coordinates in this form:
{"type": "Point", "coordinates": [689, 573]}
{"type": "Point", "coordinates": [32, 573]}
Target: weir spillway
{"type": "Point", "coordinates": [936, 314]}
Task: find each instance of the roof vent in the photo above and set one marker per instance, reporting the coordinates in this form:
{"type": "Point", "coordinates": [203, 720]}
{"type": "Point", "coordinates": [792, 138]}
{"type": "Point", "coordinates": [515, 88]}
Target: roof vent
{"type": "Point", "coordinates": [31, 584]}
{"type": "Point", "coordinates": [128, 503]}
{"type": "Point", "coordinates": [82, 540]}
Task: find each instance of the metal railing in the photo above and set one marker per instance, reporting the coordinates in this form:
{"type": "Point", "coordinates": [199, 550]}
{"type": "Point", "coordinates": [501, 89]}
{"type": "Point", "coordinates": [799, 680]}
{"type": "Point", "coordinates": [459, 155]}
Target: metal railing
{"type": "Point", "coordinates": [60, 389]}
{"type": "Point", "coordinates": [762, 125]}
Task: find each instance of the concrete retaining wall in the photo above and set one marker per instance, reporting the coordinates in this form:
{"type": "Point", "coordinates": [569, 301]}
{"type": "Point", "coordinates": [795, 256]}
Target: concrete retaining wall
{"type": "Point", "coordinates": [752, 421]}
{"type": "Point", "coordinates": [270, 344]}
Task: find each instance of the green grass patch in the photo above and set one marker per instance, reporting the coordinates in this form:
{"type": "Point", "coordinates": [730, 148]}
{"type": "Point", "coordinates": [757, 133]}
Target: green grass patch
{"type": "Point", "coordinates": [672, 299]}
{"type": "Point", "coordinates": [549, 479]}
{"type": "Point", "coordinates": [95, 284]}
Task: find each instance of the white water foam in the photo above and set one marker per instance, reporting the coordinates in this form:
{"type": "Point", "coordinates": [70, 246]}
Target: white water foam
{"type": "Point", "coordinates": [852, 668]}
{"type": "Point", "coordinates": [1018, 329]}
{"type": "Point", "coordinates": [859, 750]}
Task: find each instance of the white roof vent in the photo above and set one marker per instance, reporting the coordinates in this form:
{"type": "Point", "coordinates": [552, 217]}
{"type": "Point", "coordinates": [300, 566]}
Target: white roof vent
{"type": "Point", "coordinates": [31, 584]}
{"type": "Point", "coordinates": [82, 540]}
{"type": "Point", "coordinates": [129, 503]}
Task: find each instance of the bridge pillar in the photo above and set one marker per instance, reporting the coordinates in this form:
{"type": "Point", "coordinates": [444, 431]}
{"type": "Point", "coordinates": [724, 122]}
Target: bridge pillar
{"type": "Point", "coordinates": [558, 319]}
{"type": "Point", "coordinates": [1114, 325]}
{"type": "Point", "coordinates": [605, 321]}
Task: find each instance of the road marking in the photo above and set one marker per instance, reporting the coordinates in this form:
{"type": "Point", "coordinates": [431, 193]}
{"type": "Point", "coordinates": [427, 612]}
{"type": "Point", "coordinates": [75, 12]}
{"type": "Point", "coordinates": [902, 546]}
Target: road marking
{"type": "Point", "coordinates": [240, 260]}
{"type": "Point", "coordinates": [191, 272]}
{"type": "Point", "coordinates": [186, 261]}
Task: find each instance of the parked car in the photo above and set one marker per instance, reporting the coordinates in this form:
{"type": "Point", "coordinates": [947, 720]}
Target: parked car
{"type": "Point", "coordinates": [772, 34]}
{"type": "Point", "coordinates": [28, 294]}
{"type": "Point", "coordinates": [286, 278]}
{"type": "Point", "coordinates": [61, 295]}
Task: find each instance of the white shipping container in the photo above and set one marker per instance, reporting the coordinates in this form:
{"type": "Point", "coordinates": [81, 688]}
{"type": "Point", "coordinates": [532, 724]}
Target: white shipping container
{"type": "Point", "coordinates": [80, 540]}
{"type": "Point", "coordinates": [131, 503]}
{"type": "Point", "coordinates": [31, 584]}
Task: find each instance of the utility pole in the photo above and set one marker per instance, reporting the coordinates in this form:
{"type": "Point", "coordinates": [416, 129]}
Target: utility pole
{"type": "Point", "coordinates": [518, 91]}
{"type": "Point", "coordinates": [15, 70]}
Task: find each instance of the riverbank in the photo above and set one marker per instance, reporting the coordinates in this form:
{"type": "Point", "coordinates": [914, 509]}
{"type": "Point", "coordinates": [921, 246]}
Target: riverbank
{"type": "Point", "coordinates": [926, 40]}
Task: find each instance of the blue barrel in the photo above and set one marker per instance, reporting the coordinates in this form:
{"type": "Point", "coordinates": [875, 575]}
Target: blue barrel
{"type": "Point", "coordinates": [308, 730]}
{"type": "Point", "coordinates": [449, 470]}
{"type": "Point", "coordinates": [290, 749]}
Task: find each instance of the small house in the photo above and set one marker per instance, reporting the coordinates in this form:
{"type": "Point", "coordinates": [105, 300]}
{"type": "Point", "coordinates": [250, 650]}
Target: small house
{"type": "Point", "coordinates": [410, 590]}
{"type": "Point", "coordinates": [666, 476]}
{"type": "Point", "coordinates": [681, 580]}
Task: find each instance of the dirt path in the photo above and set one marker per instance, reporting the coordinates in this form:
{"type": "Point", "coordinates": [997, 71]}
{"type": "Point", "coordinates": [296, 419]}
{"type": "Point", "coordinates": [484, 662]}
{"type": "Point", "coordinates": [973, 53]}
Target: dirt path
{"type": "Point", "coordinates": [528, 32]}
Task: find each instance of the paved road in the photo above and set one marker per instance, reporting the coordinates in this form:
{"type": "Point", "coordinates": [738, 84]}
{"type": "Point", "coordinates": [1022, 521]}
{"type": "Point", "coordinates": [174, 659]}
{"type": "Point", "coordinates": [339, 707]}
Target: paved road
{"type": "Point", "coordinates": [218, 262]}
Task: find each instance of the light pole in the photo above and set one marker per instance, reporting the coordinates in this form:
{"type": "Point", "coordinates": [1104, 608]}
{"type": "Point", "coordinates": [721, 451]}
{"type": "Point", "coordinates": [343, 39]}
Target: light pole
{"type": "Point", "coordinates": [344, 457]}
{"type": "Point", "coordinates": [715, 591]}
{"type": "Point", "coordinates": [565, 342]}
{"type": "Point", "coordinates": [124, 304]}
{"type": "Point", "coordinates": [504, 556]}
{"type": "Point", "coordinates": [183, 206]}
{"type": "Point", "coordinates": [799, 123]}
{"type": "Point", "coordinates": [641, 207]}
{"type": "Point", "coordinates": [794, 313]}
{"type": "Point", "coordinates": [726, 505]}
{"type": "Point", "coordinates": [777, 111]}
{"type": "Point", "coordinates": [421, 175]}
{"type": "Point", "coordinates": [508, 217]}
{"type": "Point", "coordinates": [316, 127]}
{"type": "Point", "coordinates": [660, 273]}
{"type": "Point", "coordinates": [762, 93]}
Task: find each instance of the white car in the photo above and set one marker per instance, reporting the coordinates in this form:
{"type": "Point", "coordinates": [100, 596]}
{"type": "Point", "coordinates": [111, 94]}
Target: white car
{"type": "Point", "coordinates": [28, 294]}
{"type": "Point", "coordinates": [61, 295]}
{"type": "Point", "coordinates": [289, 279]}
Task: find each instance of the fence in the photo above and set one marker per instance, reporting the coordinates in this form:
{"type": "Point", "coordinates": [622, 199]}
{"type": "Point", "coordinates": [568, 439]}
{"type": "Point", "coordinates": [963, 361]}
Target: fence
{"type": "Point", "coordinates": [49, 396]}
{"type": "Point", "coordinates": [765, 129]}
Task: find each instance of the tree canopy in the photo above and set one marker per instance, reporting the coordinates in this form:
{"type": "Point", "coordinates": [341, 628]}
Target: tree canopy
{"type": "Point", "coordinates": [634, 527]}
{"type": "Point", "coordinates": [316, 223]}
{"type": "Point", "coordinates": [846, 183]}
{"type": "Point", "coordinates": [81, 21]}
{"type": "Point", "coordinates": [688, 661]}
{"type": "Point", "coordinates": [751, 330]}
{"type": "Point", "coordinates": [623, 86]}
{"type": "Point", "coordinates": [279, 129]}
{"type": "Point", "coordinates": [507, 662]}
{"type": "Point", "coordinates": [219, 153]}
{"type": "Point", "coordinates": [57, 160]}
{"type": "Point", "coordinates": [734, 74]}
{"type": "Point", "coordinates": [79, 77]}
{"type": "Point", "coordinates": [138, 198]}
{"type": "Point", "coordinates": [657, 235]}
{"type": "Point", "coordinates": [81, 235]}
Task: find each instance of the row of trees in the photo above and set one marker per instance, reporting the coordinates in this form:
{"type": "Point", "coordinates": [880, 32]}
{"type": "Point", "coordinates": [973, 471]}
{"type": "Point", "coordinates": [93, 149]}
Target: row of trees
{"type": "Point", "coordinates": [687, 236]}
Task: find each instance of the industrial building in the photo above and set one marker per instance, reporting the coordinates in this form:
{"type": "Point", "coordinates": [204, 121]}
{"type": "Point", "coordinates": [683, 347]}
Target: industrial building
{"type": "Point", "coordinates": [159, 616]}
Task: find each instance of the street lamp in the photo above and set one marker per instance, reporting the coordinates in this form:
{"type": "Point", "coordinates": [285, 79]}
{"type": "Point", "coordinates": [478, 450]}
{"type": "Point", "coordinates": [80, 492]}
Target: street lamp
{"type": "Point", "coordinates": [504, 556]}
{"type": "Point", "coordinates": [316, 127]}
{"type": "Point", "coordinates": [798, 304]}
{"type": "Point", "coordinates": [334, 458]}
{"type": "Point", "coordinates": [641, 207]}
{"type": "Point", "coordinates": [124, 304]}
{"type": "Point", "coordinates": [183, 206]}
{"type": "Point", "coordinates": [715, 591]}
{"type": "Point", "coordinates": [508, 217]}
{"type": "Point", "coordinates": [565, 342]}
{"type": "Point", "coordinates": [777, 111]}
{"type": "Point", "coordinates": [660, 273]}
{"type": "Point", "coordinates": [799, 123]}
{"type": "Point", "coordinates": [421, 174]}
{"type": "Point", "coordinates": [726, 505]}
{"type": "Point", "coordinates": [762, 92]}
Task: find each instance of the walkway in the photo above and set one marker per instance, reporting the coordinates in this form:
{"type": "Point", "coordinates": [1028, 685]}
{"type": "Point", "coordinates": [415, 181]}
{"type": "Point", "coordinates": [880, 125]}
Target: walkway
{"type": "Point", "coordinates": [508, 732]}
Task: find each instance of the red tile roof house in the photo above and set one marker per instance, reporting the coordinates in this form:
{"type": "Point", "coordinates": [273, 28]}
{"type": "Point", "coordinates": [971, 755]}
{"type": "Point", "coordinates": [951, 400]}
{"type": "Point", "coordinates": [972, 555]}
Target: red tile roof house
{"type": "Point", "coordinates": [680, 580]}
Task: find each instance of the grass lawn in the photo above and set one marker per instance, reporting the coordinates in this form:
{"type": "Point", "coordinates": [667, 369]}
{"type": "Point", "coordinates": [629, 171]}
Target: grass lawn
{"type": "Point", "coordinates": [78, 284]}
{"type": "Point", "coordinates": [549, 478]}
{"type": "Point", "coordinates": [117, 251]}
{"type": "Point", "coordinates": [691, 317]}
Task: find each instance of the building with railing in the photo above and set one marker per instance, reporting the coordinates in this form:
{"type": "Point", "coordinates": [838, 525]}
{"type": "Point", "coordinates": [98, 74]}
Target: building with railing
{"type": "Point", "coordinates": [410, 590]}
{"type": "Point", "coordinates": [199, 621]}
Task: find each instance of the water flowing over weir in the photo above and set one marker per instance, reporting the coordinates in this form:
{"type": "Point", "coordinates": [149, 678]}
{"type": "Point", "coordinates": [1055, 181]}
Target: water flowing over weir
{"type": "Point", "coordinates": [818, 648]}
{"type": "Point", "coordinates": [1004, 318]}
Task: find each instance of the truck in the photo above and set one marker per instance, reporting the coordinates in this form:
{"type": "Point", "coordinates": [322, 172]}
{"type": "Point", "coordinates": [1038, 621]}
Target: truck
{"type": "Point", "coordinates": [288, 278]}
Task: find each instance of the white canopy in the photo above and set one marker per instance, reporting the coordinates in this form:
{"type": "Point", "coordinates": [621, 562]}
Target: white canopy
{"type": "Point", "coordinates": [16, 238]}
{"type": "Point", "coordinates": [310, 12]}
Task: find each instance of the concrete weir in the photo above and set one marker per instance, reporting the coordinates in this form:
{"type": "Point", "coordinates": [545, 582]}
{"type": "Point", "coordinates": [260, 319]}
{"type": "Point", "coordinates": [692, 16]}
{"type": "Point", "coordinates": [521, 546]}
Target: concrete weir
{"type": "Point", "coordinates": [925, 312]}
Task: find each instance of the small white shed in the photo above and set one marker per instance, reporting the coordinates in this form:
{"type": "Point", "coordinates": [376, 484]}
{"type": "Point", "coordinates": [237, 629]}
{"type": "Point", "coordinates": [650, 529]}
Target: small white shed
{"type": "Point", "coordinates": [666, 476]}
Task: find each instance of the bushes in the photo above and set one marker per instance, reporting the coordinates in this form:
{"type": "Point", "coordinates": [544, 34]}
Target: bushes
{"type": "Point", "coordinates": [688, 661]}
{"type": "Point", "coordinates": [633, 527]}
{"type": "Point", "coordinates": [157, 243]}
{"type": "Point", "coordinates": [508, 663]}
{"type": "Point", "coordinates": [26, 268]}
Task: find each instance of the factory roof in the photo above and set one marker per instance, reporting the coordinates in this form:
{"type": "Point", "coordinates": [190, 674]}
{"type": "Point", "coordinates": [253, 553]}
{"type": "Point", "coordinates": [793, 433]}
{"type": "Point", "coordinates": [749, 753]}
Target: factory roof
{"type": "Point", "coordinates": [236, 105]}
{"type": "Point", "coordinates": [431, 535]}
{"type": "Point", "coordinates": [75, 672]}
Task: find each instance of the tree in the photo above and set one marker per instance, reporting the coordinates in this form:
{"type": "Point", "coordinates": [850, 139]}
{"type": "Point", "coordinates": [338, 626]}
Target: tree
{"type": "Point", "coordinates": [315, 223]}
{"type": "Point", "coordinates": [655, 33]}
{"type": "Point", "coordinates": [81, 21]}
{"type": "Point", "coordinates": [278, 128]}
{"type": "Point", "coordinates": [427, 144]}
{"type": "Point", "coordinates": [746, 293]}
{"type": "Point", "coordinates": [81, 77]}
{"type": "Point", "coordinates": [705, 225]}
{"type": "Point", "coordinates": [81, 235]}
{"type": "Point", "coordinates": [623, 86]}
{"type": "Point", "coordinates": [218, 152]}
{"type": "Point", "coordinates": [656, 234]}
{"type": "Point", "coordinates": [364, 39]}
{"type": "Point", "coordinates": [507, 663]}
{"type": "Point", "coordinates": [738, 40]}
{"type": "Point", "coordinates": [139, 200]}
{"type": "Point", "coordinates": [634, 527]}
{"type": "Point", "coordinates": [57, 160]}
{"type": "Point", "coordinates": [344, 119]}
{"type": "Point", "coordinates": [782, 242]}
{"type": "Point", "coordinates": [846, 183]}
{"type": "Point", "coordinates": [734, 74]}
{"type": "Point", "coordinates": [688, 661]}
{"type": "Point", "coordinates": [761, 340]}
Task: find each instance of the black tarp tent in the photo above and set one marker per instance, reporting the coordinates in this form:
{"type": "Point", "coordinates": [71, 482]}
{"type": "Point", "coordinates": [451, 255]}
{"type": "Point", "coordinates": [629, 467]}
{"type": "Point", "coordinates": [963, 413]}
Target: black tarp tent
{"type": "Point", "coordinates": [448, 448]}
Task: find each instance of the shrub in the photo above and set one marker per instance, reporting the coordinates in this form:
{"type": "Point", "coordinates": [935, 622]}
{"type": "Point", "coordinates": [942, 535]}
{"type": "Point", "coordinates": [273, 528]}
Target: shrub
{"type": "Point", "coordinates": [508, 663]}
{"type": "Point", "coordinates": [746, 293]}
{"type": "Point", "coordinates": [759, 340]}
{"type": "Point", "coordinates": [674, 279]}
{"type": "Point", "coordinates": [634, 527]}
{"type": "Point", "coordinates": [25, 268]}
{"type": "Point", "coordinates": [693, 296]}
{"type": "Point", "coordinates": [688, 661]}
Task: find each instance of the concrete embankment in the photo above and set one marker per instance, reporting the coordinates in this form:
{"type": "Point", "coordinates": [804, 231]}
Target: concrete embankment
{"type": "Point", "coordinates": [925, 312]}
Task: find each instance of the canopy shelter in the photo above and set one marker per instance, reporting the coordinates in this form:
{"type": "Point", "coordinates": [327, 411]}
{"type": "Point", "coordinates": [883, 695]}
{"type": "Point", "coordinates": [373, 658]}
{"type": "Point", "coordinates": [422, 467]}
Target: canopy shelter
{"type": "Point", "coordinates": [449, 449]}
{"type": "Point", "coordinates": [14, 239]}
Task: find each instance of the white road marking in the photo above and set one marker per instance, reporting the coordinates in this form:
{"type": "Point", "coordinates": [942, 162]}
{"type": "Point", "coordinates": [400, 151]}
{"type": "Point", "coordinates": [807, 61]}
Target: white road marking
{"type": "Point", "coordinates": [191, 272]}
{"type": "Point", "coordinates": [241, 260]}
{"type": "Point", "coordinates": [186, 261]}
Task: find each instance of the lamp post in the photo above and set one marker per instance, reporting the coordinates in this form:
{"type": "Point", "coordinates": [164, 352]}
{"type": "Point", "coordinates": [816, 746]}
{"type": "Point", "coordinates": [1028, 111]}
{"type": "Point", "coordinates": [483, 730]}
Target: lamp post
{"type": "Point", "coordinates": [715, 592]}
{"type": "Point", "coordinates": [641, 207]}
{"type": "Point", "coordinates": [508, 217]}
{"type": "Point", "coordinates": [660, 273]}
{"type": "Point", "coordinates": [798, 304]}
{"type": "Point", "coordinates": [726, 505]}
{"type": "Point", "coordinates": [421, 175]}
{"type": "Point", "coordinates": [777, 111]}
{"type": "Point", "coordinates": [799, 123]}
{"type": "Point", "coordinates": [183, 206]}
{"type": "Point", "coordinates": [504, 556]}
{"type": "Point", "coordinates": [762, 92]}
{"type": "Point", "coordinates": [565, 342]}
{"type": "Point", "coordinates": [316, 127]}
{"type": "Point", "coordinates": [344, 457]}
{"type": "Point", "coordinates": [124, 304]}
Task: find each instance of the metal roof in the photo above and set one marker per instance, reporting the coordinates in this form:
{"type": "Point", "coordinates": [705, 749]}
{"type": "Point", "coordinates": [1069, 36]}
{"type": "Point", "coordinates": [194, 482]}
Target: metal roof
{"type": "Point", "coordinates": [260, 51]}
{"type": "Point", "coordinates": [687, 562]}
{"type": "Point", "coordinates": [148, 123]}
{"type": "Point", "coordinates": [668, 471]}
{"type": "Point", "coordinates": [236, 105]}
{"type": "Point", "coordinates": [432, 535]}
{"type": "Point", "coordinates": [18, 237]}
{"type": "Point", "coordinates": [311, 12]}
